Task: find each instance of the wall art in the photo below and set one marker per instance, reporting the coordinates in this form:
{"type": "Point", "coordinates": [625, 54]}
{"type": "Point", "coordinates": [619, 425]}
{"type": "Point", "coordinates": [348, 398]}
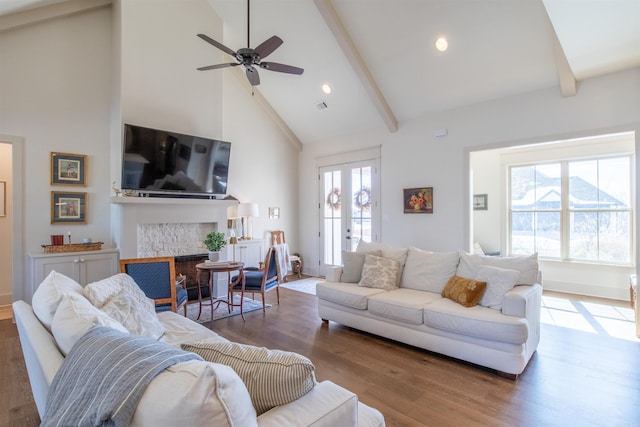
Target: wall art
{"type": "Point", "coordinates": [68, 169]}
{"type": "Point", "coordinates": [68, 208]}
{"type": "Point", "coordinates": [418, 200]}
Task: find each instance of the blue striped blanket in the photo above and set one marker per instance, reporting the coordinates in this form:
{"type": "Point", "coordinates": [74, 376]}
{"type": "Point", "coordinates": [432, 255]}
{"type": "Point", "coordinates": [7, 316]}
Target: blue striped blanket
{"type": "Point", "coordinates": [104, 376]}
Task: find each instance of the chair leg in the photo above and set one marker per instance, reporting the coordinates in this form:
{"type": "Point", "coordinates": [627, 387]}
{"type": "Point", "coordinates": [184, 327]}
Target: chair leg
{"type": "Point", "coordinates": [277, 293]}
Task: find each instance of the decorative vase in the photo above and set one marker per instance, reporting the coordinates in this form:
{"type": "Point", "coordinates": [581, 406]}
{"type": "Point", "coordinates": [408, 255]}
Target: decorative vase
{"type": "Point", "coordinates": [214, 256]}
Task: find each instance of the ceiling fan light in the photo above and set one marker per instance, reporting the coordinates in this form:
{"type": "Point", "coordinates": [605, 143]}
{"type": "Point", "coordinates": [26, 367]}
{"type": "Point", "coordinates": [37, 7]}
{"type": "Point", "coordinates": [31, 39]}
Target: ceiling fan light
{"type": "Point", "coordinates": [326, 88]}
{"type": "Point", "coordinates": [441, 44]}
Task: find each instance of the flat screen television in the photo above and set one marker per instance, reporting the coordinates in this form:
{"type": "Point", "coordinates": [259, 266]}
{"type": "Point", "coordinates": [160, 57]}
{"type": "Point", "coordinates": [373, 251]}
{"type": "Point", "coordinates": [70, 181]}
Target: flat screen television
{"type": "Point", "coordinates": [161, 162]}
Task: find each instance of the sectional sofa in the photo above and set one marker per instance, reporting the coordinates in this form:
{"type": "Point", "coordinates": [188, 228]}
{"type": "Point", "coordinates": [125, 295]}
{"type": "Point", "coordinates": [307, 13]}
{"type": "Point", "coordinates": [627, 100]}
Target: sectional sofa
{"type": "Point", "coordinates": [397, 293]}
{"type": "Point", "coordinates": [235, 391]}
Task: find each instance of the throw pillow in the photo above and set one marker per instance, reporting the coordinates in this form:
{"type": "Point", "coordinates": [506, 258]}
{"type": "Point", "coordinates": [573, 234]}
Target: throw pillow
{"type": "Point", "coordinates": [74, 317]}
{"type": "Point", "coordinates": [527, 265]}
{"type": "Point", "coordinates": [467, 292]}
{"type": "Point", "coordinates": [379, 272]}
{"type": "Point", "coordinates": [273, 377]}
{"type": "Point", "coordinates": [121, 298]}
{"type": "Point", "coordinates": [499, 281]}
{"type": "Point", "coordinates": [428, 271]}
{"type": "Point", "coordinates": [352, 263]}
{"type": "Point", "coordinates": [49, 294]}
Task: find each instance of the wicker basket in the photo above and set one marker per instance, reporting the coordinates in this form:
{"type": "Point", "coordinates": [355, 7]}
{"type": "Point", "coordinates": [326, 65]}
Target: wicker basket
{"type": "Point", "coordinates": [72, 247]}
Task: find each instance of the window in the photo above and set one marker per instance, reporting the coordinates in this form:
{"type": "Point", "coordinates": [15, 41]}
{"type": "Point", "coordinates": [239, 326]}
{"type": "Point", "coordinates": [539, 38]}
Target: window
{"type": "Point", "coordinates": [573, 209]}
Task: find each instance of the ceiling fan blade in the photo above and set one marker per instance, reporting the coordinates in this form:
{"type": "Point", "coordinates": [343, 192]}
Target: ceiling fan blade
{"type": "Point", "coordinates": [215, 67]}
{"type": "Point", "coordinates": [282, 68]}
{"type": "Point", "coordinates": [217, 44]}
{"type": "Point", "coordinates": [252, 75]}
{"type": "Point", "coordinates": [268, 46]}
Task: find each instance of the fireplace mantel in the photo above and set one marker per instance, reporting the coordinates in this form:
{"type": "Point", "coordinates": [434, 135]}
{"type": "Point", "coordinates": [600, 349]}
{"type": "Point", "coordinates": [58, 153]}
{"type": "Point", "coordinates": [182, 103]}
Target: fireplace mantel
{"type": "Point", "coordinates": [129, 212]}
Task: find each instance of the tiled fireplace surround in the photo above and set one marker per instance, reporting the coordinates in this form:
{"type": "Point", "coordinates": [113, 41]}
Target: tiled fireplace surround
{"type": "Point", "coordinates": [152, 227]}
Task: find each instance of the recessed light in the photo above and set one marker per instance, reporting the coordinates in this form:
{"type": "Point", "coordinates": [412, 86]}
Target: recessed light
{"type": "Point", "coordinates": [442, 44]}
{"type": "Point", "coordinates": [326, 88]}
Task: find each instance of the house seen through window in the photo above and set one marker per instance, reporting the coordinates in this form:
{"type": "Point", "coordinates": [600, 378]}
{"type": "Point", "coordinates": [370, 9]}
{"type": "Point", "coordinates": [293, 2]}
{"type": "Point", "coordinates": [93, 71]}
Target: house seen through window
{"type": "Point", "coordinates": [573, 209]}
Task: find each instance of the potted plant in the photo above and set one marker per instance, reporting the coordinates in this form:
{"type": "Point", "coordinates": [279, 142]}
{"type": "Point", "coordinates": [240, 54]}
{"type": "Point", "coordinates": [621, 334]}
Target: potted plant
{"type": "Point", "coordinates": [214, 242]}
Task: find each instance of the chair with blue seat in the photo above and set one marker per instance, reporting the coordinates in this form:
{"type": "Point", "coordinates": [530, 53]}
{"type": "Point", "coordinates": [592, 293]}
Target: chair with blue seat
{"type": "Point", "coordinates": [257, 280]}
{"type": "Point", "coordinates": [157, 279]}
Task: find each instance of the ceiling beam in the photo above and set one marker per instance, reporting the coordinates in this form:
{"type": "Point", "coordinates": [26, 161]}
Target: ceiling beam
{"type": "Point", "coordinates": [333, 21]}
{"type": "Point", "coordinates": [16, 20]}
{"type": "Point", "coordinates": [568, 85]}
{"type": "Point", "coordinates": [262, 101]}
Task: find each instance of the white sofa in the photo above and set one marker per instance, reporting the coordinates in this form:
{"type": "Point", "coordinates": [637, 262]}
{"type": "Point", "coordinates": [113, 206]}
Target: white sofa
{"type": "Point", "coordinates": [501, 333]}
{"type": "Point", "coordinates": [194, 392]}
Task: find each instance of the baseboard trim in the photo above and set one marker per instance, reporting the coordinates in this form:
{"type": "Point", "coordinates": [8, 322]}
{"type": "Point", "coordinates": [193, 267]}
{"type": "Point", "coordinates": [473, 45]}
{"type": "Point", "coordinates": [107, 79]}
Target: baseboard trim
{"type": "Point", "coordinates": [6, 312]}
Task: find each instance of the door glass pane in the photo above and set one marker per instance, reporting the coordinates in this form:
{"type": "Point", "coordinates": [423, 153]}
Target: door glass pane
{"type": "Point", "coordinates": [332, 217]}
{"type": "Point", "coordinates": [360, 206]}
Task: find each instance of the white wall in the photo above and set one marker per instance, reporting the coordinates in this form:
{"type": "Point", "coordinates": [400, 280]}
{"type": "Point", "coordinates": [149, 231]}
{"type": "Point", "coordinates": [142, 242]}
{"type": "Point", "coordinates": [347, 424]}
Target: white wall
{"type": "Point", "coordinates": [55, 87]}
{"type": "Point", "coordinates": [67, 85]}
{"type": "Point", "coordinates": [414, 157]}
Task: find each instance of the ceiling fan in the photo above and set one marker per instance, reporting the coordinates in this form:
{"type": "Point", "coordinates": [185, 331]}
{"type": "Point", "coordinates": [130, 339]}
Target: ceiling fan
{"type": "Point", "coordinates": [252, 58]}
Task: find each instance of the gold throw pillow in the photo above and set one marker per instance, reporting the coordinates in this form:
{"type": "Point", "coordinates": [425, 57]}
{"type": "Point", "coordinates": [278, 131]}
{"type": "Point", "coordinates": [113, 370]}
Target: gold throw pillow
{"type": "Point", "coordinates": [467, 292]}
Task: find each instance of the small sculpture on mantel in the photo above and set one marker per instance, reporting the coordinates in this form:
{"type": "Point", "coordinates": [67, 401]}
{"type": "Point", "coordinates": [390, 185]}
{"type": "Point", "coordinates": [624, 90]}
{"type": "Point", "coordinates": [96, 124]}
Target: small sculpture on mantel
{"type": "Point", "coordinates": [117, 191]}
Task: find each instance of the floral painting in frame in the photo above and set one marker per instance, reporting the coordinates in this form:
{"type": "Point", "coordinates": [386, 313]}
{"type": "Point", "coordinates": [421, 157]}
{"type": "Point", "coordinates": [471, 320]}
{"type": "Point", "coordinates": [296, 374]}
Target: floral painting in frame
{"type": "Point", "coordinates": [418, 200]}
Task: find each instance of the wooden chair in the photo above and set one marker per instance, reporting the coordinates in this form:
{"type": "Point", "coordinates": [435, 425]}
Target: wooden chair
{"type": "Point", "coordinates": [277, 238]}
{"type": "Point", "coordinates": [257, 280]}
{"type": "Point", "coordinates": [157, 279]}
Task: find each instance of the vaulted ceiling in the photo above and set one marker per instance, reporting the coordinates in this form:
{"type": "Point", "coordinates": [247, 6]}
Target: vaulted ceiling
{"type": "Point", "coordinates": [380, 60]}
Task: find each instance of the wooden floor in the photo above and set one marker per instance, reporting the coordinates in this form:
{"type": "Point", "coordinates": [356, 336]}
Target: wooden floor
{"type": "Point", "coordinates": [575, 378]}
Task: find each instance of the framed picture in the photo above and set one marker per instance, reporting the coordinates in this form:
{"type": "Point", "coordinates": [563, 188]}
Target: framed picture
{"type": "Point", "coordinates": [3, 198]}
{"type": "Point", "coordinates": [68, 208]}
{"type": "Point", "coordinates": [418, 200]}
{"type": "Point", "coordinates": [479, 202]}
{"type": "Point", "coordinates": [68, 169]}
{"type": "Point", "coordinates": [274, 213]}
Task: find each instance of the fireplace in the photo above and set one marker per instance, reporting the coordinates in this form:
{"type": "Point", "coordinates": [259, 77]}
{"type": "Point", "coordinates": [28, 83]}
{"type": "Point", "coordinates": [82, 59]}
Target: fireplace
{"type": "Point", "coordinates": [150, 227]}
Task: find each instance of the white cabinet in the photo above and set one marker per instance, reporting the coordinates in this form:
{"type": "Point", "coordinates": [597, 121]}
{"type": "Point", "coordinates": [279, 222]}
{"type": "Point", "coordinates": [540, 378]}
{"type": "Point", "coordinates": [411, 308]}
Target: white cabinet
{"type": "Point", "coordinates": [251, 252]}
{"type": "Point", "coordinates": [83, 267]}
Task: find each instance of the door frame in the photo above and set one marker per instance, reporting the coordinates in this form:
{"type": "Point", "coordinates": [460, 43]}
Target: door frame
{"type": "Point", "coordinates": [371, 155]}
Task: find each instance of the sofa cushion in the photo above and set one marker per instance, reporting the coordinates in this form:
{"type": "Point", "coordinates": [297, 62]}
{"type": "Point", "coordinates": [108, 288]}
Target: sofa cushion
{"type": "Point", "coordinates": [49, 294]}
{"type": "Point", "coordinates": [526, 265]}
{"type": "Point", "coordinates": [179, 329]}
{"type": "Point", "coordinates": [379, 272]}
{"type": "Point", "coordinates": [403, 305]}
{"type": "Point", "coordinates": [346, 294]}
{"type": "Point", "coordinates": [195, 393]}
{"type": "Point", "coordinates": [464, 291]}
{"type": "Point", "coordinates": [428, 271]}
{"type": "Point", "coordinates": [121, 298]}
{"type": "Point", "coordinates": [74, 317]}
{"type": "Point", "coordinates": [352, 263]}
{"type": "Point", "coordinates": [477, 322]}
{"type": "Point", "coordinates": [272, 377]}
{"type": "Point", "coordinates": [499, 281]}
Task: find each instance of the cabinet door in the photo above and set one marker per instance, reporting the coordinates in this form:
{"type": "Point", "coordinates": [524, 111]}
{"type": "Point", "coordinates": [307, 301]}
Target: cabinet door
{"type": "Point", "coordinates": [96, 267]}
{"type": "Point", "coordinates": [250, 253]}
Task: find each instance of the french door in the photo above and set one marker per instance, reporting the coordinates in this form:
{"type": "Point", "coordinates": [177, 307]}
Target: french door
{"type": "Point", "coordinates": [349, 210]}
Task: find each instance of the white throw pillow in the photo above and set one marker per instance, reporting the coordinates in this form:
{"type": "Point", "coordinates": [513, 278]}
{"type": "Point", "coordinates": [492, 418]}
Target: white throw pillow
{"type": "Point", "coordinates": [499, 281]}
{"type": "Point", "coordinates": [49, 294]}
{"type": "Point", "coordinates": [273, 377]}
{"type": "Point", "coordinates": [428, 271]}
{"type": "Point", "coordinates": [526, 265]}
{"type": "Point", "coordinates": [352, 263]}
{"type": "Point", "coordinates": [196, 393]}
{"type": "Point", "coordinates": [121, 298]}
{"type": "Point", "coordinates": [74, 317]}
{"type": "Point", "coordinates": [379, 272]}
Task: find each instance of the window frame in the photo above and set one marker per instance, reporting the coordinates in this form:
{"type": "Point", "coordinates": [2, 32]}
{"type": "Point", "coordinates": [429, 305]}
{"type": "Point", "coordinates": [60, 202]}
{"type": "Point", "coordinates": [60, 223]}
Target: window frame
{"type": "Point", "coordinates": [537, 155]}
